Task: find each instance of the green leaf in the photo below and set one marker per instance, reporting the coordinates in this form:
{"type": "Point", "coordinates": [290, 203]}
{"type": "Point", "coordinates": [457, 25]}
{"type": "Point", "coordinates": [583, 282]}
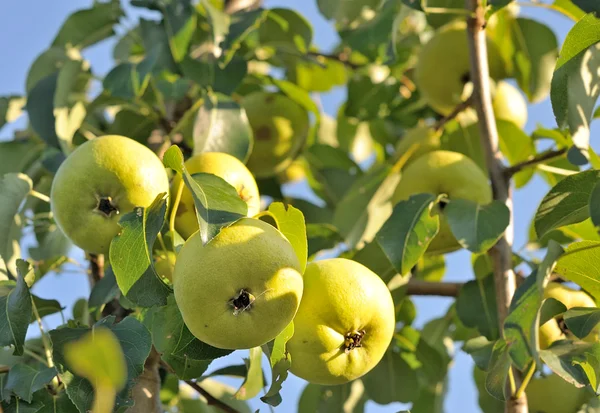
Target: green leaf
{"type": "Point", "coordinates": [54, 403]}
{"type": "Point", "coordinates": [392, 380]}
{"type": "Point", "coordinates": [322, 237]}
{"type": "Point", "coordinates": [280, 362]}
{"type": "Point", "coordinates": [40, 109]}
{"type": "Point", "coordinates": [477, 227]}
{"type": "Point", "coordinates": [594, 205]}
{"type": "Point", "coordinates": [89, 26]}
{"type": "Point", "coordinates": [131, 249]}
{"type": "Point", "coordinates": [205, 71]}
{"type": "Point", "coordinates": [188, 356]}
{"type": "Point", "coordinates": [345, 12]}
{"type": "Point", "coordinates": [23, 380]}
{"type": "Point", "coordinates": [480, 348]}
{"type": "Point", "coordinates": [253, 383]}
{"type": "Point", "coordinates": [135, 342]}
{"type": "Point", "coordinates": [495, 380]}
{"type": "Point", "coordinates": [217, 203]}
{"type": "Point", "coordinates": [317, 76]}
{"type": "Point", "coordinates": [476, 306]}
{"type": "Point", "coordinates": [221, 125]}
{"type": "Point", "coordinates": [45, 307]}
{"type": "Point", "coordinates": [15, 309]}
{"type": "Point", "coordinates": [14, 188]}
{"type": "Point", "coordinates": [373, 39]}
{"type": "Point", "coordinates": [568, 8]}
{"type": "Point", "coordinates": [571, 361]}
{"type": "Point", "coordinates": [465, 140]}
{"type": "Point", "coordinates": [73, 77]}
{"type": "Point", "coordinates": [566, 203]}
{"type": "Point", "coordinates": [576, 79]}
{"type": "Point", "coordinates": [17, 405]}
{"type": "Point", "coordinates": [18, 155]}
{"type": "Point", "coordinates": [104, 290]}
{"type": "Point", "coordinates": [286, 28]}
{"type": "Point", "coordinates": [368, 100]}
{"type": "Point", "coordinates": [241, 26]}
{"type": "Point", "coordinates": [406, 235]}
{"type": "Point", "coordinates": [218, 20]}
{"type": "Point", "coordinates": [581, 321]}
{"type": "Point", "coordinates": [581, 264]}
{"type": "Point", "coordinates": [107, 366]}
{"type": "Point", "coordinates": [536, 51]}
{"type": "Point", "coordinates": [290, 222]}
{"type": "Point", "coordinates": [366, 205]}
{"type": "Point", "coordinates": [10, 109]}
{"type": "Point", "coordinates": [130, 80]}
{"type": "Point", "coordinates": [517, 147]}
{"type": "Point", "coordinates": [180, 23]}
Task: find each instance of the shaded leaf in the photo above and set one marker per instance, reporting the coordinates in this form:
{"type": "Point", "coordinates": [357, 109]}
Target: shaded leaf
{"type": "Point", "coordinates": [221, 125]}
{"type": "Point", "coordinates": [495, 380]}
{"type": "Point", "coordinates": [130, 250]}
{"type": "Point", "coordinates": [280, 362]}
{"type": "Point", "coordinates": [23, 380]}
{"type": "Point", "coordinates": [14, 188]}
{"type": "Point", "coordinates": [476, 306]}
{"type": "Point", "coordinates": [407, 233]}
{"type": "Point", "coordinates": [581, 321]}
{"type": "Point", "coordinates": [567, 202]}
{"type": "Point", "coordinates": [477, 227]}
{"type": "Point", "coordinates": [15, 309]}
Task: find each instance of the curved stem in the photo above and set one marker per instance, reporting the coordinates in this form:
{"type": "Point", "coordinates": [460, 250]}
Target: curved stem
{"type": "Point", "coordinates": [175, 207]}
{"type": "Point", "coordinates": [210, 399]}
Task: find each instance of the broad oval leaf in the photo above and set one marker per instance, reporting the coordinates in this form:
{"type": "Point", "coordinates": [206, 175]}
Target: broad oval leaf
{"type": "Point", "coordinates": [280, 362]}
{"type": "Point", "coordinates": [581, 264]}
{"type": "Point", "coordinates": [23, 380]}
{"type": "Point", "coordinates": [290, 221]}
{"type": "Point", "coordinates": [566, 203]}
{"type": "Point", "coordinates": [131, 250]}
{"type": "Point", "coordinates": [14, 188]}
{"type": "Point", "coordinates": [594, 205]}
{"type": "Point", "coordinates": [222, 126]}
{"type": "Point", "coordinates": [495, 380]}
{"type": "Point", "coordinates": [217, 202]}
{"type": "Point", "coordinates": [405, 236]}
{"type": "Point", "coordinates": [581, 321]}
{"type": "Point", "coordinates": [392, 380]}
{"type": "Point", "coordinates": [477, 227]}
{"type": "Point", "coordinates": [15, 309]}
{"type": "Point", "coordinates": [476, 306]}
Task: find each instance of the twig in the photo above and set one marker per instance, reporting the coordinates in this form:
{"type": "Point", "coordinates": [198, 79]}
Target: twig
{"type": "Point", "coordinates": [442, 289]}
{"type": "Point", "coordinates": [340, 57]}
{"type": "Point", "coordinates": [210, 399]}
{"type": "Point", "coordinates": [96, 268]}
{"type": "Point", "coordinates": [455, 112]}
{"type": "Point", "coordinates": [534, 161]}
{"type": "Point", "coordinates": [501, 253]}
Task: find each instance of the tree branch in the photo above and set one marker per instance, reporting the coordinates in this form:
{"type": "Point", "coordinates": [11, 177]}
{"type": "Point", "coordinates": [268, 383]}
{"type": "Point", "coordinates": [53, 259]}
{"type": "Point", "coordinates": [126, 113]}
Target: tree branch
{"type": "Point", "coordinates": [534, 161]}
{"type": "Point", "coordinates": [501, 253]}
{"type": "Point", "coordinates": [442, 289]}
{"type": "Point", "coordinates": [342, 57]}
{"type": "Point", "coordinates": [455, 112]}
{"type": "Point", "coordinates": [210, 399]}
{"type": "Point", "coordinates": [96, 268]}
{"type": "Point", "coordinates": [146, 391]}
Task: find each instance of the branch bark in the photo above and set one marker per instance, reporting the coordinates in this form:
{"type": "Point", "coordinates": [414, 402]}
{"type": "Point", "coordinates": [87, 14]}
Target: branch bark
{"type": "Point", "coordinates": [146, 392]}
{"type": "Point", "coordinates": [96, 268]}
{"type": "Point", "coordinates": [501, 253]}
{"type": "Point", "coordinates": [442, 289]}
{"type": "Point", "coordinates": [455, 112]}
{"type": "Point", "coordinates": [210, 399]}
{"type": "Point", "coordinates": [534, 161]}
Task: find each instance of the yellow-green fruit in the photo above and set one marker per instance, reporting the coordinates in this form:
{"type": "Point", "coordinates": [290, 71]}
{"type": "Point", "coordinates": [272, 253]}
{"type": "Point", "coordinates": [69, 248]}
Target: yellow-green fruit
{"type": "Point", "coordinates": [98, 183]}
{"type": "Point", "coordinates": [570, 298]}
{"type": "Point", "coordinates": [242, 288]}
{"type": "Point", "coordinates": [442, 69]}
{"type": "Point", "coordinates": [293, 173]}
{"type": "Point", "coordinates": [444, 172]}
{"type": "Point", "coordinates": [550, 332]}
{"type": "Point", "coordinates": [551, 394]}
{"type": "Point", "coordinates": [225, 166]}
{"type": "Point", "coordinates": [164, 263]}
{"type": "Point", "coordinates": [344, 325]}
{"type": "Point", "coordinates": [425, 139]}
{"type": "Point", "coordinates": [280, 127]}
{"type": "Point", "coordinates": [509, 104]}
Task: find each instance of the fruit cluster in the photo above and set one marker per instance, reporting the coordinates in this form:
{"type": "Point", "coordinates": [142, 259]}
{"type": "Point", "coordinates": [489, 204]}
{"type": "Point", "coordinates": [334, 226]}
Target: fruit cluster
{"type": "Point", "coordinates": [242, 288]}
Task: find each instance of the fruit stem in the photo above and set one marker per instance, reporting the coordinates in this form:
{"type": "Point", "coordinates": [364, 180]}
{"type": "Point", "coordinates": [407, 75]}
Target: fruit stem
{"type": "Point", "coordinates": [39, 195]}
{"type": "Point", "coordinates": [174, 209]}
{"type": "Point", "coordinates": [525, 381]}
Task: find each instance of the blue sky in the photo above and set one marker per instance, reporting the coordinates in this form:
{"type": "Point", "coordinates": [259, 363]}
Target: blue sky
{"type": "Point", "coordinates": [27, 27]}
